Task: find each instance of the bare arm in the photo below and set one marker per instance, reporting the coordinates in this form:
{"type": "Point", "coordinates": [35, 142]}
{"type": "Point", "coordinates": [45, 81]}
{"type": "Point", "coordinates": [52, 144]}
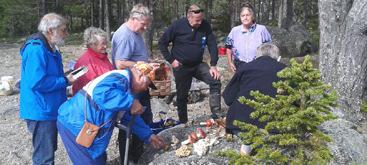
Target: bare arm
{"type": "Point", "coordinates": [230, 60]}
{"type": "Point", "coordinates": [123, 64]}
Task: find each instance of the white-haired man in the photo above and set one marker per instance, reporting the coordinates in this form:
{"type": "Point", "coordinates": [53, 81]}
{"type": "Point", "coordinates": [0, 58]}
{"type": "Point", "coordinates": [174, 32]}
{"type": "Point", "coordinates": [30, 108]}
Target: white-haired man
{"type": "Point", "coordinates": [257, 75]}
{"type": "Point", "coordinates": [128, 47]}
{"type": "Point", "coordinates": [43, 85]}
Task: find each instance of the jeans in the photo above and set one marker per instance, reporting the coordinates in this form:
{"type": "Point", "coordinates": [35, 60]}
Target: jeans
{"type": "Point", "coordinates": [183, 77]}
{"type": "Point", "coordinates": [136, 148]}
{"type": "Point", "coordinates": [44, 141]}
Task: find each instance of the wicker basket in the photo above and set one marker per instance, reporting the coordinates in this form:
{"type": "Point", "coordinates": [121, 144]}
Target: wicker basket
{"type": "Point", "coordinates": [163, 86]}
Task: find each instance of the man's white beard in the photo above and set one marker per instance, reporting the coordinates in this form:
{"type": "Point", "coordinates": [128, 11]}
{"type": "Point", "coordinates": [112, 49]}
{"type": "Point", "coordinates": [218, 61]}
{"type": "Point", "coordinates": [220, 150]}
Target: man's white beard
{"type": "Point", "coordinates": [57, 39]}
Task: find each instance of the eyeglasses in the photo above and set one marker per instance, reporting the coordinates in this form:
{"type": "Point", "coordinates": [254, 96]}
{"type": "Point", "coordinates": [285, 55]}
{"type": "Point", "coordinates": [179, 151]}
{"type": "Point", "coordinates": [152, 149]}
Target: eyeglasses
{"type": "Point", "coordinates": [197, 11]}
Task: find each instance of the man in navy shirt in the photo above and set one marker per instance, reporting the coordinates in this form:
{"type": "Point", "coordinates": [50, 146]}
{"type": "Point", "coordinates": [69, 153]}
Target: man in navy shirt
{"type": "Point", "coordinates": [189, 37]}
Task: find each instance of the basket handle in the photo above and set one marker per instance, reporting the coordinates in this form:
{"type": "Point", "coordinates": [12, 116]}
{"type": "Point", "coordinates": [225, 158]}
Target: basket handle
{"type": "Point", "coordinates": [169, 66]}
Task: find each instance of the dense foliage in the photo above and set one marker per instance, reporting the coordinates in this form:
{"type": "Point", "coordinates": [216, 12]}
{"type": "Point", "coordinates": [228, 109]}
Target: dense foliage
{"type": "Point", "coordinates": [291, 135]}
{"type": "Point", "coordinates": [20, 17]}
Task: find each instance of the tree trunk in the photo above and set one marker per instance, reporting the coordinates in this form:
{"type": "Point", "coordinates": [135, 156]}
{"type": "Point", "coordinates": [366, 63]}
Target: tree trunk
{"type": "Point", "coordinates": [273, 7]}
{"type": "Point", "coordinates": [92, 13]}
{"type": "Point", "coordinates": [305, 10]}
{"type": "Point", "coordinates": [231, 10]}
{"type": "Point", "coordinates": [285, 14]}
{"type": "Point", "coordinates": [107, 16]}
{"type": "Point", "coordinates": [100, 14]}
{"type": "Point", "coordinates": [343, 50]}
{"type": "Point", "coordinates": [119, 15]}
{"type": "Point", "coordinates": [57, 6]}
{"type": "Point", "coordinates": [42, 8]}
{"type": "Point", "coordinates": [209, 7]}
{"type": "Point", "coordinates": [124, 11]}
{"type": "Point", "coordinates": [148, 35]}
{"type": "Point", "coordinates": [178, 16]}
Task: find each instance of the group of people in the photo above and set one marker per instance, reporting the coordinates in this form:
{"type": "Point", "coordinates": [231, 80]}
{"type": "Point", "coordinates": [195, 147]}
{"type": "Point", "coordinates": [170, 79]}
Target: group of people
{"type": "Point", "coordinates": [118, 90]}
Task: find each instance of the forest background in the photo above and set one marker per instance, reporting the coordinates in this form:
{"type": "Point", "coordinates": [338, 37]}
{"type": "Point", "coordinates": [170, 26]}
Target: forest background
{"type": "Point", "coordinates": [19, 18]}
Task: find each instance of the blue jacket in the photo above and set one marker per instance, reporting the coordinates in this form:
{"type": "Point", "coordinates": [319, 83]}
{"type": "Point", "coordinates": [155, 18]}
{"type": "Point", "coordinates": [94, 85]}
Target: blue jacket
{"type": "Point", "coordinates": [106, 96]}
{"type": "Point", "coordinates": [43, 85]}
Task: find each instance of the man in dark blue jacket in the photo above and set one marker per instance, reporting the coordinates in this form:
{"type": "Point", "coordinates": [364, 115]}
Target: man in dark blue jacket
{"type": "Point", "coordinates": [43, 85]}
{"type": "Point", "coordinates": [189, 37]}
{"type": "Point", "coordinates": [256, 75]}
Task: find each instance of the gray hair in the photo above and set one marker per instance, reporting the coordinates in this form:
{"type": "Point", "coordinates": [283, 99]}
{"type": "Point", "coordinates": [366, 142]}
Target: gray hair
{"type": "Point", "coordinates": [268, 49]}
{"type": "Point", "coordinates": [250, 9]}
{"type": "Point", "coordinates": [139, 11]}
{"type": "Point", "coordinates": [51, 21]}
{"type": "Point", "coordinates": [92, 35]}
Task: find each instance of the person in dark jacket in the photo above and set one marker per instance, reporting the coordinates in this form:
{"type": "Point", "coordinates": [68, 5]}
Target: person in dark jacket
{"type": "Point", "coordinates": [189, 37]}
{"type": "Point", "coordinates": [43, 85]}
{"type": "Point", "coordinates": [256, 75]}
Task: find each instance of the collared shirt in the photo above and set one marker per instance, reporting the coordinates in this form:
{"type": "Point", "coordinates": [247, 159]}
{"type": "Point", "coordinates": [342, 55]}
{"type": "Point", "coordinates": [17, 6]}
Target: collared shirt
{"type": "Point", "coordinates": [244, 44]}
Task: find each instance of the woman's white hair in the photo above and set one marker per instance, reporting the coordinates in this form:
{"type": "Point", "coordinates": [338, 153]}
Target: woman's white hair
{"type": "Point", "coordinates": [92, 35]}
{"type": "Point", "coordinates": [249, 8]}
{"type": "Point", "coordinates": [51, 21]}
{"type": "Point", "coordinates": [268, 49]}
{"type": "Point", "coordinates": [139, 11]}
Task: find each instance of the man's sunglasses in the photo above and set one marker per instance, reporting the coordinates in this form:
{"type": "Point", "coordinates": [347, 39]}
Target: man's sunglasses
{"type": "Point", "coordinates": [197, 11]}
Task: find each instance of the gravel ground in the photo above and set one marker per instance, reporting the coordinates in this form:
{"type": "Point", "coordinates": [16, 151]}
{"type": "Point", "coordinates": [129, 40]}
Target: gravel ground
{"type": "Point", "coordinates": [15, 140]}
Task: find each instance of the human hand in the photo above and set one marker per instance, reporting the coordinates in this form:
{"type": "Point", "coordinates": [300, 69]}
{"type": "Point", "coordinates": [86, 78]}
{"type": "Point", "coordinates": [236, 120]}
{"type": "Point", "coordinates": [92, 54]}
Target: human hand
{"type": "Point", "coordinates": [231, 67]}
{"type": "Point", "coordinates": [175, 64]}
{"type": "Point", "coordinates": [70, 78]}
{"type": "Point", "coordinates": [136, 108]}
{"type": "Point", "coordinates": [157, 142]}
{"type": "Point", "coordinates": [214, 72]}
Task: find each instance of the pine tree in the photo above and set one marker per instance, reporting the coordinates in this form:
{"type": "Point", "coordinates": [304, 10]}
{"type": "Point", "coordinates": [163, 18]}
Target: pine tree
{"type": "Point", "coordinates": [291, 135]}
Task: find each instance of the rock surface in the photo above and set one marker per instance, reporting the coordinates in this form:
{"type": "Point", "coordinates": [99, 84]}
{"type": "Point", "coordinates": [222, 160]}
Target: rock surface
{"type": "Point", "coordinates": [348, 145]}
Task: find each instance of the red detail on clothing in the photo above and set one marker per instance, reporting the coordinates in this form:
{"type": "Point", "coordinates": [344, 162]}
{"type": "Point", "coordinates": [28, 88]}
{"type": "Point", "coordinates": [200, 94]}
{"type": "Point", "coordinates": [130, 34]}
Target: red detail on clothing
{"type": "Point", "coordinates": [97, 65]}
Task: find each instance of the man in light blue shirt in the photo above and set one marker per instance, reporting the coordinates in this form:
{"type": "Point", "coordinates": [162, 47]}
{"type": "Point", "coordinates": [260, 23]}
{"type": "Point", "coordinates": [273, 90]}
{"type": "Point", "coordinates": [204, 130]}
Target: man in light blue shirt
{"type": "Point", "coordinates": [128, 47]}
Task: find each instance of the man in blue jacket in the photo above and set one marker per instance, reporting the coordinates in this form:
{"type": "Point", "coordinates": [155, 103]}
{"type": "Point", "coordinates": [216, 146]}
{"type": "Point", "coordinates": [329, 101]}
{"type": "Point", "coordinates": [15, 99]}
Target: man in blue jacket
{"type": "Point", "coordinates": [99, 103]}
{"type": "Point", "coordinates": [43, 85]}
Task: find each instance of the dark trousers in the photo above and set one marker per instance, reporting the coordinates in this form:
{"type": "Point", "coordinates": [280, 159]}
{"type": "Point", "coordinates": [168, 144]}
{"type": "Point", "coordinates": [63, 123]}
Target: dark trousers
{"type": "Point", "coordinates": [136, 147]}
{"type": "Point", "coordinates": [183, 77]}
{"type": "Point", "coordinates": [237, 63]}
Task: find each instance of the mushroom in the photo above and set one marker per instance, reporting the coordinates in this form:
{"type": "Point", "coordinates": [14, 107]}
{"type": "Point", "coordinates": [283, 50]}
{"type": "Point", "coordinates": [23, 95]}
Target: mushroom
{"type": "Point", "coordinates": [201, 133]}
{"type": "Point", "coordinates": [208, 123]}
{"type": "Point", "coordinates": [192, 138]}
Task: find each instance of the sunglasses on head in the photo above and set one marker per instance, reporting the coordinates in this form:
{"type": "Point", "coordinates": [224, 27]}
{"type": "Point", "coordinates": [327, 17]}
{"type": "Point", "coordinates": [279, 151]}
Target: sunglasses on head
{"type": "Point", "coordinates": [197, 11]}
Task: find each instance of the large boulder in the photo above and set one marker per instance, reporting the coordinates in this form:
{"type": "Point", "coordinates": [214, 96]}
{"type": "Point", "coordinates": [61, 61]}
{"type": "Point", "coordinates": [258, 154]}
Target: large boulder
{"type": "Point", "coordinates": [348, 146]}
{"type": "Point", "coordinates": [294, 42]}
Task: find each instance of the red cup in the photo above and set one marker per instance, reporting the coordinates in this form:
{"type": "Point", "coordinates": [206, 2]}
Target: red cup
{"type": "Point", "coordinates": [222, 51]}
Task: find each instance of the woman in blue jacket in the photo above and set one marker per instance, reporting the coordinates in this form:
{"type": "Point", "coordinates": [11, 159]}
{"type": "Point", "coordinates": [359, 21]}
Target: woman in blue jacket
{"type": "Point", "coordinates": [102, 99]}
